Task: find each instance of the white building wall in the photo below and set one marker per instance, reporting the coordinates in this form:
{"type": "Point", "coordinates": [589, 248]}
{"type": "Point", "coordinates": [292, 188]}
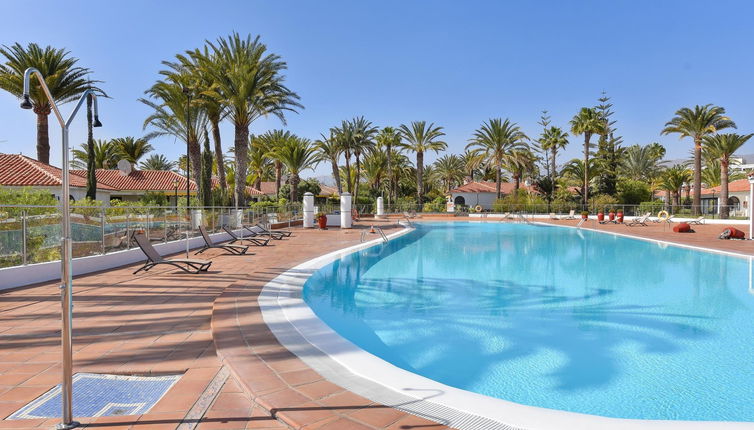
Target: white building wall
{"type": "Point", "coordinates": [485, 200]}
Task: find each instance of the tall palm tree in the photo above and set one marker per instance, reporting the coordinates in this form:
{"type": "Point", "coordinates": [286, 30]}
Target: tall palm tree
{"type": "Point", "coordinates": [449, 170]}
{"type": "Point", "coordinates": [375, 169]}
{"type": "Point", "coordinates": [472, 162]}
{"type": "Point", "coordinates": [519, 162]}
{"type": "Point", "coordinates": [260, 163]}
{"type": "Point", "coordinates": [105, 155]}
{"type": "Point", "coordinates": [249, 82]}
{"type": "Point", "coordinates": [575, 170]}
{"type": "Point", "coordinates": [157, 162]}
{"type": "Point", "coordinates": [66, 81]}
{"type": "Point", "coordinates": [187, 68]}
{"type": "Point", "coordinates": [641, 162]}
{"type": "Point", "coordinates": [341, 136]}
{"type": "Point", "coordinates": [722, 147]}
{"type": "Point", "coordinates": [132, 149]}
{"type": "Point", "coordinates": [170, 116]}
{"type": "Point", "coordinates": [269, 141]}
{"type": "Point", "coordinates": [328, 150]}
{"type": "Point", "coordinates": [421, 137]}
{"type": "Point", "coordinates": [697, 123]}
{"type": "Point", "coordinates": [362, 134]}
{"type": "Point", "coordinates": [553, 139]}
{"type": "Point", "coordinates": [496, 139]}
{"type": "Point", "coordinates": [673, 179]}
{"type": "Point", "coordinates": [587, 122]}
{"type": "Point", "coordinates": [297, 154]}
{"type": "Point", "coordinates": [389, 139]}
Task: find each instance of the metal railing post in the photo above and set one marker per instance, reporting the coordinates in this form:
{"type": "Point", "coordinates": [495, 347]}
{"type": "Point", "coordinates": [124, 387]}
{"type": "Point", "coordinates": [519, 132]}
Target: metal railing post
{"type": "Point", "coordinates": [128, 231]}
{"type": "Point", "coordinates": [165, 225]}
{"type": "Point", "coordinates": [23, 238]}
{"type": "Point", "coordinates": [102, 229]}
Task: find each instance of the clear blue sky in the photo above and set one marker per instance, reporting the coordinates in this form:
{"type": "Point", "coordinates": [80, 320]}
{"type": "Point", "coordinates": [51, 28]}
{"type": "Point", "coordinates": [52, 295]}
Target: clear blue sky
{"type": "Point", "coordinates": [455, 63]}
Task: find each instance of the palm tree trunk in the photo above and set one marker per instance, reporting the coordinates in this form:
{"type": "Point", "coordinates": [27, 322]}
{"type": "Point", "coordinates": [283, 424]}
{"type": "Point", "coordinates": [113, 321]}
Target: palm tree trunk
{"type": "Point", "coordinates": [419, 178]}
{"type": "Point", "coordinates": [336, 175]}
{"type": "Point", "coordinates": [697, 203]}
{"type": "Point", "coordinates": [219, 154]}
{"type": "Point", "coordinates": [278, 177]}
{"type": "Point", "coordinates": [294, 187]}
{"type": "Point", "coordinates": [668, 198]}
{"type": "Point", "coordinates": [241, 143]}
{"type": "Point", "coordinates": [348, 172]}
{"type": "Point", "coordinates": [554, 166]}
{"type": "Point", "coordinates": [676, 200]}
{"type": "Point", "coordinates": [587, 136]}
{"type": "Point", "coordinates": [516, 184]}
{"type": "Point", "coordinates": [724, 209]}
{"type": "Point", "coordinates": [358, 176]}
{"type": "Point", "coordinates": [91, 178]}
{"type": "Point", "coordinates": [195, 152]}
{"type": "Point", "coordinates": [497, 180]}
{"type": "Point", "coordinates": [389, 176]}
{"type": "Point", "coordinates": [43, 138]}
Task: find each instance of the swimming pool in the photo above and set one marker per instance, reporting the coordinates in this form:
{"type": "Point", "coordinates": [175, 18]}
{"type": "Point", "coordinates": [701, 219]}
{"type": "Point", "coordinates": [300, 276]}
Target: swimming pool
{"type": "Point", "coordinates": [553, 317]}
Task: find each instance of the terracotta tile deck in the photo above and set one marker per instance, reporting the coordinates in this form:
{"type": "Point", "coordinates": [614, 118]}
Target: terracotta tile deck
{"type": "Point", "coordinates": [162, 322]}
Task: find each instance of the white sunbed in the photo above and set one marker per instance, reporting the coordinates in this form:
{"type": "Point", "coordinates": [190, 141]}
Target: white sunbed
{"type": "Point", "coordinates": [698, 221]}
{"type": "Point", "coordinates": [571, 215]}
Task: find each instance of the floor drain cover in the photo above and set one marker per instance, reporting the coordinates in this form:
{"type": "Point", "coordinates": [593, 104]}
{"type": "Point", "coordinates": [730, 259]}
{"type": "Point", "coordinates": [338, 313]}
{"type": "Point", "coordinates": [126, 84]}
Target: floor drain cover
{"type": "Point", "coordinates": [101, 395]}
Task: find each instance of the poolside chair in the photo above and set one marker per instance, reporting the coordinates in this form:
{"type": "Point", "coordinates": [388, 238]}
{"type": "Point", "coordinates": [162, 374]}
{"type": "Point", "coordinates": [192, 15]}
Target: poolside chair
{"type": "Point", "coordinates": [209, 244]}
{"type": "Point", "coordinates": [698, 221]}
{"type": "Point", "coordinates": [285, 233]}
{"type": "Point", "coordinates": [254, 240]}
{"type": "Point", "coordinates": [553, 216]}
{"type": "Point", "coordinates": [642, 220]}
{"type": "Point", "coordinates": [256, 230]}
{"type": "Point", "coordinates": [571, 215]}
{"type": "Point", "coordinates": [154, 258]}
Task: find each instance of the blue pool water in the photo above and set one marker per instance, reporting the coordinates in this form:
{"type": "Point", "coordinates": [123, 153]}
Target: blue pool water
{"type": "Point", "coordinates": [553, 317]}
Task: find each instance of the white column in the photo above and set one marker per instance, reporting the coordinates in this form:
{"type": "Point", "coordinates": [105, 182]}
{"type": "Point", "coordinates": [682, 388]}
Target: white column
{"type": "Point", "coordinates": [380, 208]}
{"type": "Point", "coordinates": [308, 210]}
{"type": "Point", "coordinates": [345, 210]}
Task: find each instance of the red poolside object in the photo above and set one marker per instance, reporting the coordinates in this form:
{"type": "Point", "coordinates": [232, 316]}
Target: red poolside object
{"type": "Point", "coordinates": [732, 233]}
{"type": "Point", "coordinates": [683, 228]}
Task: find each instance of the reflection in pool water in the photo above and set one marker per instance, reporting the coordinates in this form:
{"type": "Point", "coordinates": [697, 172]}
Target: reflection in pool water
{"type": "Point", "coordinates": [553, 317]}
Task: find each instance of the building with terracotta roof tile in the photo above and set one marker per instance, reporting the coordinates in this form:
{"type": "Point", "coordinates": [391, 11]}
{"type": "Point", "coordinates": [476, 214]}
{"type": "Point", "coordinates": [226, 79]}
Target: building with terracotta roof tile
{"type": "Point", "coordinates": [483, 194]}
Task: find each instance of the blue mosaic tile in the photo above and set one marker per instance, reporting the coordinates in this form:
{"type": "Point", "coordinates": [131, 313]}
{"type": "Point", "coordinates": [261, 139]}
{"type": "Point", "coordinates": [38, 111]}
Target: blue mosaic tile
{"type": "Point", "coordinates": [101, 395]}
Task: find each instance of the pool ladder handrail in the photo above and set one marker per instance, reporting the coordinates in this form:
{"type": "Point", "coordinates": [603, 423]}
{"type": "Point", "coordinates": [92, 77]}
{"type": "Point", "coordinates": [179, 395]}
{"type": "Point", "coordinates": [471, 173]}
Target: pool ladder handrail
{"type": "Point", "coordinates": [379, 230]}
{"type": "Point", "coordinates": [523, 218]}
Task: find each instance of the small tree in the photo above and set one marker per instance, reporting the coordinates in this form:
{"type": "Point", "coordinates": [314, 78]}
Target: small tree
{"type": "Point", "coordinates": [205, 185]}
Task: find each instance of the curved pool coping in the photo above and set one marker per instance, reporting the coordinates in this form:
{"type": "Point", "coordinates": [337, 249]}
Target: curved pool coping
{"type": "Point", "coordinates": [298, 329]}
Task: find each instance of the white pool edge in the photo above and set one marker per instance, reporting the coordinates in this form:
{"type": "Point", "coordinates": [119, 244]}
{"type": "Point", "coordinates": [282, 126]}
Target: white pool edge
{"type": "Point", "coordinates": [298, 329]}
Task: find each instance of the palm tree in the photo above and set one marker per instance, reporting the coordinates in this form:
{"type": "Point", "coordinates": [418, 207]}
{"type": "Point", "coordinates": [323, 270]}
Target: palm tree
{"type": "Point", "coordinates": [132, 149]}
{"type": "Point", "coordinates": [342, 138]}
{"type": "Point", "coordinates": [269, 141]}
{"type": "Point", "coordinates": [170, 116]}
{"type": "Point", "coordinates": [249, 83]}
{"type": "Point", "coordinates": [553, 139]}
{"type": "Point", "coordinates": [375, 169]}
{"type": "Point", "coordinates": [157, 162]}
{"type": "Point", "coordinates": [260, 164]}
{"type": "Point", "coordinates": [296, 154]}
{"type": "Point", "coordinates": [641, 162]}
{"type": "Point", "coordinates": [496, 139]}
{"type": "Point", "coordinates": [449, 170]}
{"type": "Point", "coordinates": [519, 162]}
{"type": "Point", "coordinates": [389, 139]}
{"type": "Point", "coordinates": [186, 68]}
{"type": "Point", "coordinates": [673, 179]}
{"type": "Point", "coordinates": [587, 122]}
{"type": "Point", "coordinates": [105, 155]}
{"type": "Point", "coordinates": [697, 123]}
{"type": "Point", "coordinates": [362, 135]}
{"type": "Point", "coordinates": [575, 170]}
{"type": "Point", "coordinates": [722, 147]}
{"type": "Point", "coordinates": [472, 162]}
{"type": "Point", "coordinates": [420, 138]}
{"type": "Point", "coordinates": [66, 81]}
{"type": "Point", "coordinates": [328, 150]}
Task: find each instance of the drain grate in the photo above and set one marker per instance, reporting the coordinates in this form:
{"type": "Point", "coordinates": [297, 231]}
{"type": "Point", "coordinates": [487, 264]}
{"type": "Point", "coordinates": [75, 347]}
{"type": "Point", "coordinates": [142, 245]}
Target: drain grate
{"type": "Point", "coordinates": [101, 395]}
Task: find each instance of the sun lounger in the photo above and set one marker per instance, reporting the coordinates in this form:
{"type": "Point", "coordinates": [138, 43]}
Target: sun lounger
{"type": "Point", "coordinates": [698, 221]}
{"type": "Point", "coordinates": [257, 231]}
{"type": "Point", "coordinates": [286, 233]}
{"type": "Point", "coordinates": [553, 216]}
{"type": "Point", "coordinates": [209, 244]}
{"type": "Point", "coordinates": [571, 215]}
{"type": "Point", "coordinates": [642, 220]}
{"type": "Point", "coordinates": [154, 258]}
{"type": "Point", "coordinates": [254, 240]}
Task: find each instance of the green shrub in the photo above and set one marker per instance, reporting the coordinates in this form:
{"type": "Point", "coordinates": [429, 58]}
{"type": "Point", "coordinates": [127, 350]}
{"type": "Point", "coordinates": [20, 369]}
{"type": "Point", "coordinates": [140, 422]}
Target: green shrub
{"type": "Point", "coordinates": [632, 192]}
{"type": "Point", "coordinates": [523, 201]}
{"type": "Point", "coordinates": [436, 205]}
{"type": "Point", "coordinates": [602, 202]}
{"type": "Point", "coordinates": [653, 206]}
